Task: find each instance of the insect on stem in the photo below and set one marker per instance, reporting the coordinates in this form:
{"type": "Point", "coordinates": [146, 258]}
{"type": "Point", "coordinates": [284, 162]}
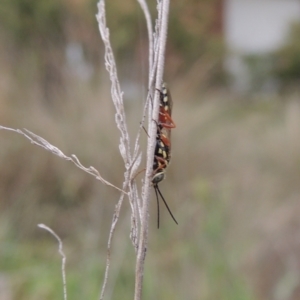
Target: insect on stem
{"type": "Point", "coordinates": [162, 154]}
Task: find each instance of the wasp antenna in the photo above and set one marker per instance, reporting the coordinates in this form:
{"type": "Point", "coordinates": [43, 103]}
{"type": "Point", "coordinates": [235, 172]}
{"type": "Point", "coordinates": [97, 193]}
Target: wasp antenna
{"type": "Point", "coordinates": [157, 188]}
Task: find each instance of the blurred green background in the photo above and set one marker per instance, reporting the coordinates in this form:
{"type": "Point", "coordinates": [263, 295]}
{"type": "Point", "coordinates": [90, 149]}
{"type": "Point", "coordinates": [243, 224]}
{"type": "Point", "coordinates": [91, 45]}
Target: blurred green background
{"type": "Point", "coordinates": [233, 184]}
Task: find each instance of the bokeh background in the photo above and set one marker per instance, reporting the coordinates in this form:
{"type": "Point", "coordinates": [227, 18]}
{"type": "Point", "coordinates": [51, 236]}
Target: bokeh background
{"type": "Point", "coordinates": [233, 184]}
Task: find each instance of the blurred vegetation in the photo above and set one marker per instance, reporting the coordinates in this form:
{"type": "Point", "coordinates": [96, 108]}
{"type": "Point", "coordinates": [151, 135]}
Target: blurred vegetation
{"type": "Point", "coordinates": [276, 71]}
{"type": "Point", "coordinates": [44, 38]}
{"type": "Point", "coordinates": [287, 59]}
{"type": "Point", "coordinates": [233, 183]}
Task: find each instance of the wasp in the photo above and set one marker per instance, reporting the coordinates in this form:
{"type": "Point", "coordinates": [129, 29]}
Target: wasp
{"type": "Point", "coordinates": [162, 154]}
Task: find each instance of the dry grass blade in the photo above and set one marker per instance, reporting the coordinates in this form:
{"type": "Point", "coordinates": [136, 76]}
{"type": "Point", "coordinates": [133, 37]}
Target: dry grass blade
{"type": "Point", "coordinates": [131, 163]}
{"type": "Point", "coordinates": [41, 142]}
{"type": "Point", "coordinates": [111, 234]}
{"type": "Point", "coordinates": [116, 93]}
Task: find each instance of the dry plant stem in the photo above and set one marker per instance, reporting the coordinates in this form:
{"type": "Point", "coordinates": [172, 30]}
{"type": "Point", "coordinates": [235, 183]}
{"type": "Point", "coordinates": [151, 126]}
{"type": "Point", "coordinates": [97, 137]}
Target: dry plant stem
{"type": "Point", "coordinates": [120, 243]}
{"type": "Point", "coordinates": [135, 222]}
{"type": "Point", "coordinates": [64, 258]}
{"type": "Point", "coordinates": [111, 233]}
{"type": "Point", "coordinates": [156, 36]}
{"type": "Point", "coordinates": [146, 12]}
{"type": "Point", "coordinates": [39, 141]}
{"type": "Point", "coordinates": [131, 164]}
{"type": "Point", "coordinates": [143, 240]}
{"type": "Point", "coordinates": [161, 52]}
{"type": "Point", "coordinates": [117, 95]}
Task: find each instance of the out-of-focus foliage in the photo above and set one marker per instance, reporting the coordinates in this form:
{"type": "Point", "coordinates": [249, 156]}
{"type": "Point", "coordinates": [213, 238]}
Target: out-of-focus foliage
{"type": "Point", "coordinates": [287, 59]}
{"type": "Point", "coordinates": [195, 30]}
{"type": "Point", "coordinates": [31, 22]}
{"type": "Point", "coordinates": [35, 36]}
{"type": "Point", "coordinates": [259, 70]}
{"type": "Point", "coordinates": [46, 30]}
{"type": "Point", "coordinates": [195, 42]}
{"type": "Point", "coordinates": [33, 32]}
{"type": "Point", "coordinates": [277, 70]}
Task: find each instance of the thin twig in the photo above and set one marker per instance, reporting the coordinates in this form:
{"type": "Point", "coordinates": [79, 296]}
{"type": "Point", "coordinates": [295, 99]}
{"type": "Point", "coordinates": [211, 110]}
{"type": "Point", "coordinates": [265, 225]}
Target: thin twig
{"type": "Point", "coordinates": [117, 94]}
{"type": "Point", "coordinates": [64, 258]}
{"type": "Point", "coordinates": [111, 234]}
{"type": "Point", "coordinates": [41, 142]}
